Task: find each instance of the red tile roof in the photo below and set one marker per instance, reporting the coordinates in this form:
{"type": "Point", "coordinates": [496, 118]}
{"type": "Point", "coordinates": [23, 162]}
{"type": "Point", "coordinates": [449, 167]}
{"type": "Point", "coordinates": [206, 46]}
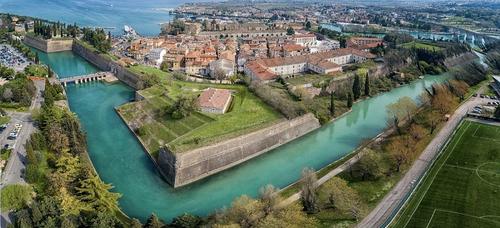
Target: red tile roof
{"type": "Point", "coordinates": [214, 98]}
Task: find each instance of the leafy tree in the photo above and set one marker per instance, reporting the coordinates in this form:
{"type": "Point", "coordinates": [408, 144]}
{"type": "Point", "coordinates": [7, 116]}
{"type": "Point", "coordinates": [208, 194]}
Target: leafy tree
{"type": "Point", "coordinates": [23, 219]}
{"type": "Point", "coordinates": [291, 216]}
{"type": "Point", "coordinates": [165, 66]}
{"type": "Point", "coordinates": [97, 194]}
{"type": "Point", "coordinates": [308, 194]}
{"type": "Point", "coordinates": [15, 196]}
{"type": "Point", "coordinates": [135, 223]}
{"type": "Point", "coordinates": [104, 219]}
{"type": "Point", "coordinates": [370, 166]}
{"type": "Point", "coordinates": [458, 88]}
{"type": "Point", "coordinates": [356, 87]}
{"type": "Point", "coordinates": [219, 74]}
{"type": "Point", "coordinates": [183, 107]}
{"type": "Point", "coordinates": [270, 198]}
{"type": "Point", "coordinates": [401, 150]}
{"type": "Point", "coordinates": [443, 100]}
{"type": "Point", "coordinates": [342, 197]}
{"type": "Point", "coordinates": [153, 222]}
{"type": "Point", "coordinates": [70, 205]}
{"type": "Point", "coordinates": [244, 211]}
{"type": "Point", "coordinates": [417, 132]}
{"type": "Point", "coordinates": [69, 222]}
{"type": "Point", "coordinates": [432, 118]}
{"type": "Point", "coordinates": [186, 221]}
{"type": "Point", "coordinates": [497, 112]}
{"type": "Point", "coordinates": [405, 107]}
{"type": "Point", "coordinates": [290, 31]}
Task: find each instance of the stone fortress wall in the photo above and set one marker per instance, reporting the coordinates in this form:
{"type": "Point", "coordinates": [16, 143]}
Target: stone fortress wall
{"type": "Point", "coordinates": [104, 64]}
{"type": "Point", "coordinates": [49, 46]}
{"type": "Point", "coordinates": [187, 167]}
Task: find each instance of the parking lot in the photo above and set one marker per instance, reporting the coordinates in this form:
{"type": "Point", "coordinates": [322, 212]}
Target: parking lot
{"type": "Point", "coordinates": [488, 108]}
{"type": "Point", "coordinates": [12, 58]}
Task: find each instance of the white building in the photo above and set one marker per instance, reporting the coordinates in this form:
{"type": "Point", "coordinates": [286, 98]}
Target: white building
{"type": "Point", "coordinates": [156, 55]}
{"type": "Point", "coordinates": [225, 65]}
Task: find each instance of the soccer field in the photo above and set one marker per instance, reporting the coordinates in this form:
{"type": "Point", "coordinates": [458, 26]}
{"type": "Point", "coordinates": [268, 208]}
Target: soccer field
{"type": "Point", "coordinates": [462, 189]}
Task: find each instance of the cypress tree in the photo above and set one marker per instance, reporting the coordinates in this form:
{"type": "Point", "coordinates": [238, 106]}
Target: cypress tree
{"type": "Point", "coordinates": [367, 85]}
{"type": "Point", "coordinates": [349, 100]}
{"type": "Point", "coordinates": [37, 60]}
{"type": "Point", "coordinates": [49, 72]}
{"type": "Point", "coordinates": [332, 104]}
{"type": "Point", "coordinates": [356, 87]}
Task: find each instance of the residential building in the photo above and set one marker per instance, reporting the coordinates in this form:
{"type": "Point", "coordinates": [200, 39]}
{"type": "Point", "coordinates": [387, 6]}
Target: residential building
{"type": "Point", "coordinates": [223, 65]}
{"type": "Point", "coordinates": [364, 43]}
{"type": "Point", "coordinates": [156, 55]}
{"type": "Point", "coordinates": [321, 63]}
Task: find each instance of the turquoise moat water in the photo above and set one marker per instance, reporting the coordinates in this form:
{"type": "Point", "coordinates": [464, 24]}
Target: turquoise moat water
{"type": "Point", "coordinates": [120, 160]}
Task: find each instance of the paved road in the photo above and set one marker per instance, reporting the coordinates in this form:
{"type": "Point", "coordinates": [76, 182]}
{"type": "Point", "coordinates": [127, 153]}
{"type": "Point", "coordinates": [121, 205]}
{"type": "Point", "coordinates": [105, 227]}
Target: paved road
{"type": "Point", "coordinates": [396, 197]}
{"type": "Point", "coordinates": [13, 172]}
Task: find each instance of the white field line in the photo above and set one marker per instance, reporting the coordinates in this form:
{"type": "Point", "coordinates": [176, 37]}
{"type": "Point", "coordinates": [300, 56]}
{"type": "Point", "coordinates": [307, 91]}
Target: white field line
{"type": "Point", "coordinates": [430, 220]}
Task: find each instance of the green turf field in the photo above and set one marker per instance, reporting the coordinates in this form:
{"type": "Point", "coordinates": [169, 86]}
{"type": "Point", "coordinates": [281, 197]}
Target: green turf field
{"type": "Point", "coordinates": [462, 189]}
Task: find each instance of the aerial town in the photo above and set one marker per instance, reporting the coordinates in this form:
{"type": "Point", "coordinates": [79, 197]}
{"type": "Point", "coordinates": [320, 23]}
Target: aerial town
{"type": "Point", "coordinates": [250, 114]}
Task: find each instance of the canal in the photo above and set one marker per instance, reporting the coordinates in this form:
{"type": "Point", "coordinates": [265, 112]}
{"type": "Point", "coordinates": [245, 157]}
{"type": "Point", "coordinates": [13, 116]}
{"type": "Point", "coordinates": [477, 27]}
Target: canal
{"type": "Point", "coordinates": [120, 160]}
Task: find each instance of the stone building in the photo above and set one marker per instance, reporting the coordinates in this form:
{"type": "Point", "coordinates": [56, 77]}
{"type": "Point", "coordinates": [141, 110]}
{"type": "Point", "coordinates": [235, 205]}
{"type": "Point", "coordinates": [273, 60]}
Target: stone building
{"type": "Point", "coordinates": [215, 100]}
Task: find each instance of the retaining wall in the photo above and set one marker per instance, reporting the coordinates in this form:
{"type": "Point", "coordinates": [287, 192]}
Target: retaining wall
{"type": "Point", "coordinates": [184, 168]}
{"type": "Point", "coordinates": [105, 64]}
{"type": "Point", "coordinates": [48, 46]}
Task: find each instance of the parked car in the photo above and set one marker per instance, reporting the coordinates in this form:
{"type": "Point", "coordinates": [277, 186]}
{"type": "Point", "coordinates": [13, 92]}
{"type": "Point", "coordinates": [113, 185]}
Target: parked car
{"type": "Point", "coordinates": [12, 135]}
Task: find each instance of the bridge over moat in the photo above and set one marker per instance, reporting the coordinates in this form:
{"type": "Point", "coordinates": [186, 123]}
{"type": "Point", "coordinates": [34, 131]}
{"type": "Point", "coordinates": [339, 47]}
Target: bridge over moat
{"type": "Point", "coordinates": [108, 76]}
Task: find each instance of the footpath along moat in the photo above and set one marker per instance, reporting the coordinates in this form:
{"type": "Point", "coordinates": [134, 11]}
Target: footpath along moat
{"type": "Point", "coordinates": [120, 160]}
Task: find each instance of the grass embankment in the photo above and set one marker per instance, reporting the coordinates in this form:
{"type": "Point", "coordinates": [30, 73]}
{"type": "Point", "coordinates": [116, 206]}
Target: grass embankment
{"type": "Point", "coordinates": [422, 45]}
{"type": "Point", "coordinates": [462, 187]}
{"type": "Point", "coordinates": [90, 47]}
{"type": "Point", "coordinates": [247, 113]}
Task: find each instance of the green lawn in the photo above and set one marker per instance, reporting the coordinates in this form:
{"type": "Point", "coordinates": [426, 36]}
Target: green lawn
{"type": "Point", "coordinates": [421, 45]}
{"type": "Point", "coordinates": [248, 113]}
{"type": "Point", "coordinates": [310, 78]}
{"type": "Point", "coordinates": [462, 188]}
{"type": "Point", "coordinates": [143, 70]}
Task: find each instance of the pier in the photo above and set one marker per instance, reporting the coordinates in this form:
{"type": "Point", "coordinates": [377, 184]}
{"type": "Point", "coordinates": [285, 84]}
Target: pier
{"type": "Point", "coordinates": [107, 76]}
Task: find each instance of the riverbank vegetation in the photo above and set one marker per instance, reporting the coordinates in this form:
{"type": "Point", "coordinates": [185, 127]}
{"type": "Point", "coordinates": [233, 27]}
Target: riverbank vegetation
{"type": "Point", "coordinates": [68, 191]}
{"type": "Point", "coordinates": [156, 126]}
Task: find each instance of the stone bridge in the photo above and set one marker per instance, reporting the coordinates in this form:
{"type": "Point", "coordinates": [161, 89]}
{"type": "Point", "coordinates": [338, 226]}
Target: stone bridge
{"type": "Point", "coordinates": [84, 78]}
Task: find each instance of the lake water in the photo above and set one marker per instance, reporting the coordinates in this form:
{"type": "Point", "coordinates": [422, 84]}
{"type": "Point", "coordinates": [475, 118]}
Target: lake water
{"type": "Point", "coordinates": [144, 16]}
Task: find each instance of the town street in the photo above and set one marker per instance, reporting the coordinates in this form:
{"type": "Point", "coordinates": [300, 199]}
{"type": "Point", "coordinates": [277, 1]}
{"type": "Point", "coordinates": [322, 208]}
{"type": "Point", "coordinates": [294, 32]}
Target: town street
{"type": "Point", "coordinates": [392, 202]}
